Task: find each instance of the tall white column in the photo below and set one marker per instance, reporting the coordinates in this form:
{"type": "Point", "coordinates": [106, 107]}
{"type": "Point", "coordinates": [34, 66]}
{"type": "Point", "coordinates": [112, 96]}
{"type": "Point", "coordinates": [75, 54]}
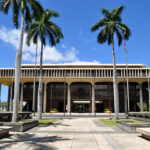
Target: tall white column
{"type": "Point", "coordinates": [21, 97]}
{"type": "Point", "coordinates": [93, 98]}
{"type": "Point", "coordinates": [69, 99]}
{"type": "Point", "coordinates": [8, 98]}
{"type": "Point", "coordinates": [141, 97]}
{"type": "Point", "coordinates": [45, 98]}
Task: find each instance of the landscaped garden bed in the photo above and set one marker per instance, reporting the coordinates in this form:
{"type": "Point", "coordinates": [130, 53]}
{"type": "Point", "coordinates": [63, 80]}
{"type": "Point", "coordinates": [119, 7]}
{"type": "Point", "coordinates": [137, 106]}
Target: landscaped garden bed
{"type": "Point", "coordinates": [46, 122]}
{"type": "Point", "coordinates": [129, 125]}
{"type": "Point", "coordinates": [21, 126]}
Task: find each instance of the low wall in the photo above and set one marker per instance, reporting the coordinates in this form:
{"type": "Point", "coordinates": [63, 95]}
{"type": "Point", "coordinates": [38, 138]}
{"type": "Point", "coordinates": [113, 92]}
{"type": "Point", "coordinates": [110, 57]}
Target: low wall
{"type": "Point", "coordinates": [130, 127]}
{"type": "Point", "coordinates": [139, 114]}
{"type": "Point", "coordinates": [21, 126]}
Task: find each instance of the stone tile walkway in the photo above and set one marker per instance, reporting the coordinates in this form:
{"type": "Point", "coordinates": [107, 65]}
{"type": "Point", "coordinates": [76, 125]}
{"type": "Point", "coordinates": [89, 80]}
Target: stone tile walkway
{"type": "Point", "coordinates": [75, 134]}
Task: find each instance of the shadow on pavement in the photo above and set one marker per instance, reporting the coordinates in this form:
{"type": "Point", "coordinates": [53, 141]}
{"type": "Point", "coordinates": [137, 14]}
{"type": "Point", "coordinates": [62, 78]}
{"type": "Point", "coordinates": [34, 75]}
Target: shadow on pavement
{"type": "Point", "coordinates": [30, 140]}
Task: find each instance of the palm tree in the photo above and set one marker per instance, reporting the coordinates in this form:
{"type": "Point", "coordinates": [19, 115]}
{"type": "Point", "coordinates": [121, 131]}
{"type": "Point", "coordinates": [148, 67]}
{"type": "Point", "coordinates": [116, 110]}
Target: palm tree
{"type": "Point", "coordinates": [24, 7]}
{"type": "Point", "coordinates": [42, 28]}
{"type": "Point", "coordinates": [111, 24]}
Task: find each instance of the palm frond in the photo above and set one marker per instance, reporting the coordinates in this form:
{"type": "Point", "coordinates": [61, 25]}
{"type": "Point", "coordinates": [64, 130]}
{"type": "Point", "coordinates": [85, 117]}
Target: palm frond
{"type": "Point", "coordinates": [125, 30]}
{"type": "Point", "coordinates": [119, 35]}
{"type": "Point", "coordinates": [36, 7]}
{"type": "Point", "coordinates": [102, 36]}
{"type": "Point", "coordinates": [99, 24]}
{"type": "Point", "coordinates": [105, 12]}
{"type": "Point", "coordinates": [51, 13]}
{"type": "Point", "coordinates": [15, 14]}
{"type": "Point", "coordinates": [119, 10]}
{"type": "Point", "coordinates": [27, 14]}
{"type": "Point", "coordinates": [5, 5]}
{"type": "Point", "coordinates": [51, 38]}
{"type": "Point", "coordinates": [30, 35]}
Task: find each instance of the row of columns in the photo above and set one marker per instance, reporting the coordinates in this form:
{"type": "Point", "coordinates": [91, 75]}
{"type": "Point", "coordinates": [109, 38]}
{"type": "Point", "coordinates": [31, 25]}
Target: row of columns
{"type": "Point", "coordinates": [68, 98]}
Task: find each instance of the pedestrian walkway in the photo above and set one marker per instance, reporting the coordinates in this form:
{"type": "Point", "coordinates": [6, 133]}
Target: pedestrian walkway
{"type": "Point", "coordinates": [75, 134]}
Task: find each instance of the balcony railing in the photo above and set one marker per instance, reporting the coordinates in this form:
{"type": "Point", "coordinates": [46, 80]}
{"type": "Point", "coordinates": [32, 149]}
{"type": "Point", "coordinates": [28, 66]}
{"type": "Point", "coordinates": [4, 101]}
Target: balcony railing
{"type": "Point", "coordinates": [78, 73]}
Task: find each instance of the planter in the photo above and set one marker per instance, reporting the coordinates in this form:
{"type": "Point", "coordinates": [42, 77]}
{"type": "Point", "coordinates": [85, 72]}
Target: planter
{"type": "Point", "coordinates": [21, 126]}
{"type": "Point", "coordinates": [130, 127]}
{"type": "Point", "coordinates": [108, 112]}
{"type": "Point", "coordinates": [53, 111]}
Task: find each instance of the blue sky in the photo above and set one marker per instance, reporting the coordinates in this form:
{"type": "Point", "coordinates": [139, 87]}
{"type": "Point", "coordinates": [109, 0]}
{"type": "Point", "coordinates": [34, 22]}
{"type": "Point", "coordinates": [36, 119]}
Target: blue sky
{"type": "Point", "coordinates": [79, 44]}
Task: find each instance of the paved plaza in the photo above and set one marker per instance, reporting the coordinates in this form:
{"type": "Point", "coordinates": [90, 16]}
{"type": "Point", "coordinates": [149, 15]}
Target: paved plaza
{"type": "Point", "coordinates": [75, 134]}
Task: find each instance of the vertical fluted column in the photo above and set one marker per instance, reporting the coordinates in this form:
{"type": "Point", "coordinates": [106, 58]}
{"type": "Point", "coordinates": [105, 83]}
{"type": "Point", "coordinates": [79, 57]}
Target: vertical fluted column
{"type": "Point", "coordinates": [141, 97]}
{"type": "Point", "coordinates": [45, 98]}
{"type": "Point", "coordinates": [69, 99]}
{"type": "Point", "coordinates": [21, 97]}
{"type": "Point", "coordinates": [8, 98]}
{"type": "Point", "coordinates": [93, 98]}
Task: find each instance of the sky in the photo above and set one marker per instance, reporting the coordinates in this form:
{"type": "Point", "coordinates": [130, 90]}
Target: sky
{"type": "Point", "coordinates": [79, 43]}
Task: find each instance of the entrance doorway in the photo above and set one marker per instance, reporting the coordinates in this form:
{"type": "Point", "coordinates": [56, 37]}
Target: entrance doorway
{"type": "Point", "coordinates": [81, 108]}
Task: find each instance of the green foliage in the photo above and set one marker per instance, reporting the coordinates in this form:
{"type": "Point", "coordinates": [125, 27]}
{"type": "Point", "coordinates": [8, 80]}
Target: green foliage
{"type": "Point", "coordinates": [3, 104]}
{"type": "Point", "coordinates": [54, 109]}
{"type": "Point", "coordinates": [112, 24]}
{"type": "Point", "coordinates": [26, 7]}
{"type": "Point", "coordinates": [46, 121]}
{"type": "Point", "coordinates": [108, 122]}
{"type": "Point", "coordinates": [111, 122]}
{"type": "Point", "coordinates": [42, 27]}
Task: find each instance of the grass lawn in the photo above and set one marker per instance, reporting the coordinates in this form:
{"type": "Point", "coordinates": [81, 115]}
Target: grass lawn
{"type": "Point", "coordinates": [45, 122]}
{"type": "Point", "coordinates": [109, 122]}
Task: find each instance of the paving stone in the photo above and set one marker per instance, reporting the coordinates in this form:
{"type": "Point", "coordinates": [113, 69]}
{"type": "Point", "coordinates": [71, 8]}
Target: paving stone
{"type": "Point", "coordinates": [75, 134]}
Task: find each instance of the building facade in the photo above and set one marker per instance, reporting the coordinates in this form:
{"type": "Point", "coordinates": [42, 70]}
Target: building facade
{"type": "Point", "coordinates": [81, 88]}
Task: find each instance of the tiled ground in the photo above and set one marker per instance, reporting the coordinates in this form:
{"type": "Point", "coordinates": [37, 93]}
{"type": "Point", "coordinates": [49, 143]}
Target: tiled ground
{"type": "Point", "coordinates": [75, 134]}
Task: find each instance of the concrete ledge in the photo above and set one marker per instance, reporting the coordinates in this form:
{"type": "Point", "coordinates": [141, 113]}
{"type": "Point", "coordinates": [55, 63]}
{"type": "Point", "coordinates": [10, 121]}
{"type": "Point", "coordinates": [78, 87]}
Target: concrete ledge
{"type": "Point", "coordinates": [4, 131]}
{"type": "Point", "coordinates": [139, 114]}
{"type": "Point", "coordinates": [131, 127]}
{"type": "Point", "coordinates": [145, 132]}
{"type": "Point", "coordinates": [21, 126]}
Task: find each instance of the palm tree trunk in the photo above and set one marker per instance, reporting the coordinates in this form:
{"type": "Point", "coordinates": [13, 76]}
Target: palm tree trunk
{"type": "Point", "coordinates": [40, 89]}
{"type": "Point", "coordinates": [17, 72]}
{"type": "Point", "coordinates": [34, 85]}
{"type": "Point", "coordinates": [115, 84]}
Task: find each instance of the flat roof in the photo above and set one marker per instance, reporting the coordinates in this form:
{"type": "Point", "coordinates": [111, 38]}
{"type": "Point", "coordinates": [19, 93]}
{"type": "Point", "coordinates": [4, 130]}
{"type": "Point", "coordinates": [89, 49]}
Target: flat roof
{"type": "Point", "coordinates": [84, 65]}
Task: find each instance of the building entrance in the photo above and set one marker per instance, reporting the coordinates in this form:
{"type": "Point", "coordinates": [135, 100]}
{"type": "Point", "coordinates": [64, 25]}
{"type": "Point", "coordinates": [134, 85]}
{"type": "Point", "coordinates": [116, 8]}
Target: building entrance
{"type": "Point", "coordinates": [81, 108]}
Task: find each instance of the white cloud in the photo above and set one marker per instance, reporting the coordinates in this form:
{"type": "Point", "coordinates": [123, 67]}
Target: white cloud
{"type": "Point", "coordinates": [50, 54]}
{"type": "Point", "coordinates": [64, 46]}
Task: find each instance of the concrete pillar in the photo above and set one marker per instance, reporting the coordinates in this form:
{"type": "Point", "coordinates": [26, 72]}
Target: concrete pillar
{"type": "Point", "coordinates": [21, 97]}
{"type": "Point", "coordinates": [0, 93]}
{"type": "Point", "coordinates": [69, 99]}
{"type": "Point", "coordinates": [141, 98]}
{"type": "Point", "coordinates": [45, 98]}
{"type": "Point", "coordinates": [8, 98]}
{"type": "Point", "coordinates": [11, 98]}
{"type": "Point", "coordinates": [93, 98]}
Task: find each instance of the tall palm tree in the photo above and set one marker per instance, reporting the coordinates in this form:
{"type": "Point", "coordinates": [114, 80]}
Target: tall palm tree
{"type": "Point", "coordinates": [112, 24]}
{"type": "Point", "coordinates": [24, 7]}
{"type": "Point", "coordinates": [42, 28]}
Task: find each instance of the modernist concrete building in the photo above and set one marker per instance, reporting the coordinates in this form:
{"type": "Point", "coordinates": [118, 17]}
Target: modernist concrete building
{"type": "Point", "coordinates": [81, 87]}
